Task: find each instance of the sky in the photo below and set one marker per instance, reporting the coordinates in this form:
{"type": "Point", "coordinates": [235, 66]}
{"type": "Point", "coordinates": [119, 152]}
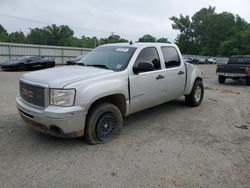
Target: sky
{"type": "Point", "coordinates": [130, 19]}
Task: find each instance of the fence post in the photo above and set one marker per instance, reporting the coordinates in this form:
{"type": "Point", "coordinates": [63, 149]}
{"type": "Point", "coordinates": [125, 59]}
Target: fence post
{"type": "Point", "coordinates": [9, 51]}
{"type": "Point", "coordinates": [62, 53]}
{"type": "Point", "coordinates": [39, 51]}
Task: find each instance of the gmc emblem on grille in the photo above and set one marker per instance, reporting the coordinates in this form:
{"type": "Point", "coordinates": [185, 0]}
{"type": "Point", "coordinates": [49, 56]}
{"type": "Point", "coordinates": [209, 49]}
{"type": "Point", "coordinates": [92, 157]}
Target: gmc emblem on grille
{"type": "Point", "coordinates": [27, 93]}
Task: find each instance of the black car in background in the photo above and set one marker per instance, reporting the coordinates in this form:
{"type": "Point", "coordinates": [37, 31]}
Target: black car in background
{"type": "Point", "coordinates": [28, 63]}
{"type": "Point", "coordinates": [74, 60]}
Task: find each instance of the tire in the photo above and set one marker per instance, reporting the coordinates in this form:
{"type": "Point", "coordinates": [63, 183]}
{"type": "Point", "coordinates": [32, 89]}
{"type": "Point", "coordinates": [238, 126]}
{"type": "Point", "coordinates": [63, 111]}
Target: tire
{"type": "Point", "coordinates": [22, 67]}
{"type": "Point", "coordinates": [52, 64]}
{"type": "Point", "coordinates": [221, 79]}
{"type": "Point", "coordinates": [104, 124]}
{"type": "Point", "coordinates": [248, 81]}
{"type": "Point", "coordinates": [196, 95]}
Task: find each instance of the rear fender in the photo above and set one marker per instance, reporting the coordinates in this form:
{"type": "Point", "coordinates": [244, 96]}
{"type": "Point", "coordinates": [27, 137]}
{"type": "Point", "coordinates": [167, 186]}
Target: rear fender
{"type": "Point", "coordinates": [193, 73]}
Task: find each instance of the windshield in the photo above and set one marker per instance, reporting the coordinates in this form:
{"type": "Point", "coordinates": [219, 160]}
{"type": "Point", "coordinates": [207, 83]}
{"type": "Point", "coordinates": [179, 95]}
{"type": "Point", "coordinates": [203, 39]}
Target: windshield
{"type": "Point", "coordinates": [239, 60]}
{"type": "Point", "coordinates": [111, 57]}
{"type": "Point", "coordinates": [23, 57]}
{"type": "Point", "coordinates": [79, 57]}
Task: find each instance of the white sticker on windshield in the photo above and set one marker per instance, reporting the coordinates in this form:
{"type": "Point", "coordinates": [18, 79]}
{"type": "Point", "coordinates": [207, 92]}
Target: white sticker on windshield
{"type": "Point", "coordinates": [119, 66]}
{"type": "Point", "coordinates": [122, 50]}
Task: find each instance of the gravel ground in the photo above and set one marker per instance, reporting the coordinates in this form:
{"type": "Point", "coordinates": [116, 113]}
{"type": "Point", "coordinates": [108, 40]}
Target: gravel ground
{"type": "Point", "coordinates": [166, 146]}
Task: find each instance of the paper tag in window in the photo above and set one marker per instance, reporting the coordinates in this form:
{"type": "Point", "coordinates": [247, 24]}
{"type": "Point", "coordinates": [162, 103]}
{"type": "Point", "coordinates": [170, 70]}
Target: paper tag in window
{"type": "Point", "coordinates": [122, 50]}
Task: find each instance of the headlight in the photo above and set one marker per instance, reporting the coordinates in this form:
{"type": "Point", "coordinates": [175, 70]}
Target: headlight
{"type": "Point", "coordinates": [61, 97]}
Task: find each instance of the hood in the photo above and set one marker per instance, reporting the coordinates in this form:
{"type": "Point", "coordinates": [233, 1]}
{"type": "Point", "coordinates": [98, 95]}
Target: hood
{"type": "Point", "coordinates": [62, 76]}
{"type": "Point", "coordinates": [11, 62]}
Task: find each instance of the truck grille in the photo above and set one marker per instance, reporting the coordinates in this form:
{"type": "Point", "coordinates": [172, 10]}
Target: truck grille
{"type": "Point", "coordinates": [32, 94]}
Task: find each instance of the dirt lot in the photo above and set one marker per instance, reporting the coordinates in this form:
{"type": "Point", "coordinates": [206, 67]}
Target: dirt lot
{"type": "Point", "coordinates": [167, 146]}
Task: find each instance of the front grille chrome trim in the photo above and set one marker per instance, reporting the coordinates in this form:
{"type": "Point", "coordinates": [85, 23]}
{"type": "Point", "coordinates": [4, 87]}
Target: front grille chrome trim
{"type": "Point", "coordinates": [37, 102]}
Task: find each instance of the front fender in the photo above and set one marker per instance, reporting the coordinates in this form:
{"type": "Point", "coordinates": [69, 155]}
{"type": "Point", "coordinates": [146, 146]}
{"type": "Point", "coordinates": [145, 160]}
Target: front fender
{"type": "Point", "coordinates": [94, 91]}
{"type": "Point", "coordinates": [193, 73]}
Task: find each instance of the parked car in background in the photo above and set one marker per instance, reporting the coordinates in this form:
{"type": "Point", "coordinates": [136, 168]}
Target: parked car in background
{"type": "Point", "coordinates": [191, 60]}
{"type": "Point", "coordinates": [108, 84]}
{"type": "Point", "coordinates": [74, 60]}
{"type": "Point", "coordinates": [207, 61]}
{"type": "Point", "coordinates": [28, 63]}
{"type": "Point", "coordinates": [238, 67]}
{"type": "Point", "coordinates": [212, 61]}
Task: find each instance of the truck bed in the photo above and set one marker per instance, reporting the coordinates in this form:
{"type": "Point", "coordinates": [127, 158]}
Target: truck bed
{"type": "Point", "coordinates": [231, 68]}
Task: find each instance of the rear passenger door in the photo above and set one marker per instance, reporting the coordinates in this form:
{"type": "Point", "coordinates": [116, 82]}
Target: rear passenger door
{"type": "Point", "coordinates": [175, 74]}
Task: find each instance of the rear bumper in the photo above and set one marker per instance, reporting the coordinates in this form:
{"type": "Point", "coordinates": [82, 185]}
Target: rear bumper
{"type": "Point", "coordinates": [65, 122]}
{"type": "Point", "coordinates": [232, 75]}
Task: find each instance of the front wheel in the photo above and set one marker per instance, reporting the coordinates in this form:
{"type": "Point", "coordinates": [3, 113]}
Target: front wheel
{"type": "Point", "coordinates": [196, 95]}
{"type": "Point", "coordinates": [22, 67]}
{"type": "Point", "coordinates": [104, 124]}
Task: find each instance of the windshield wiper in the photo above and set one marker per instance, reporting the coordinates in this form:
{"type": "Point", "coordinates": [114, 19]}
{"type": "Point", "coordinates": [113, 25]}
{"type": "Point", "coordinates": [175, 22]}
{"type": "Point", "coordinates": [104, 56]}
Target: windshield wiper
{"type": "Point", "coordinates": [99, 66]}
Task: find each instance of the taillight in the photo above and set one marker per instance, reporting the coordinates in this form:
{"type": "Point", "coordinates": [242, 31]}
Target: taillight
{"type": "Point", "coordinates": [246, 70]}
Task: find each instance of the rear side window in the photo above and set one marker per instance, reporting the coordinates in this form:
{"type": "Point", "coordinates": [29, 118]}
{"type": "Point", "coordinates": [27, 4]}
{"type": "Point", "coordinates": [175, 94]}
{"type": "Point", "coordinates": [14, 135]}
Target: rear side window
{"type": "Point", "coordinates": [149, 54]}
{"type": "Point", "coordinates": [239, 60]}
{"type": "Point", "coordinates": [171, 57]}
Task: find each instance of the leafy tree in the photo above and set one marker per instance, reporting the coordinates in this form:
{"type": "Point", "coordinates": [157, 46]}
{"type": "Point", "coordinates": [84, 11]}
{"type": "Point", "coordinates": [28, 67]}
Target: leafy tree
{"type": "Point", "coordinates": [37, 36]}
{"type": "Point", "coordinates": [17, 37]}
{"type": "Point", "coordinates": [147, 38]}
{"type": "Point", "coordinates": [207, 32]}
{"type": "Point", "coordinates": [3, 34]}
{"type": "Point", "coordinates": [186, 38]}
{"type": "Point", "coordinates": [59, 35]}
{"type": "Point", "coordinates": [239, 44]}
{"type": "Point", "coordinates": [240, 24]}
{"type": "Point", "coordinates": [163, 40]}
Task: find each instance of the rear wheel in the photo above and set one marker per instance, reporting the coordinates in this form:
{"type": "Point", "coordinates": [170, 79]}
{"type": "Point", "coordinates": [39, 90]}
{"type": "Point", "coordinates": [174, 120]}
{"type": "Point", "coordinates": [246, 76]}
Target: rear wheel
{"type": "Point", "coordinates": [104, 124]}
{"type": "Point", "coordinates": [52, 64]}
{"type": "Point", "coordinates": [221, 79]}
{"type": "Point", "coordinates": [196, 95]}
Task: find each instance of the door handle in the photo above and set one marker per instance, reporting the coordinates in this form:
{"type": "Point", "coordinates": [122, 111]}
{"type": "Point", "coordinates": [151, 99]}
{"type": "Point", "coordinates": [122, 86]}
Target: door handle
{"type": "Point", "coordinates": [181, 72]}
{"type": "Point", "coordinates": [159, 77]}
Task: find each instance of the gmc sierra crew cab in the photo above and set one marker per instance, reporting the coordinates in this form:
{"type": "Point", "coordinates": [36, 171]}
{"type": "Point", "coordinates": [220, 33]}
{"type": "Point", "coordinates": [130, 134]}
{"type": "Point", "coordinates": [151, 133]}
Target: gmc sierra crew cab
{"type": "Point", "coordinates": [91, 98]}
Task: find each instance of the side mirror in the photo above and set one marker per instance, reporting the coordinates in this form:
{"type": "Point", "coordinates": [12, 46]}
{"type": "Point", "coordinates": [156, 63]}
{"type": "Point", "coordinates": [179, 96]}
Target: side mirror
{"type": "Point", "coordinates": [143, 67]}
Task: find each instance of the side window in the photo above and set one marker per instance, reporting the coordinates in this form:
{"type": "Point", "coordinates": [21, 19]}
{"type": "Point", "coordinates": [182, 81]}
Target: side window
{"type": "Point", "coordinates": [171, 57]}
{"type": "Point", "coordinates": [149, 54]}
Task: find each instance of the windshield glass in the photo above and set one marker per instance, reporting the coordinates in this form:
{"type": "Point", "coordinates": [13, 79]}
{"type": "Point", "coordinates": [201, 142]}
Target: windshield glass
{"type": "Point", "coordinates": [112, 57]}
{"type": "Point", "coordinates": [23, 57]}
{"type": "Point", "coordinates": [79, 57]}
{"type": "Point", "coordinates": [239, 60]}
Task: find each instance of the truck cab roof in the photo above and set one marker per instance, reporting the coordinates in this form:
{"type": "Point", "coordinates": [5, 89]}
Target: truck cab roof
{"type": "Point", "coordinates": [140, 44]}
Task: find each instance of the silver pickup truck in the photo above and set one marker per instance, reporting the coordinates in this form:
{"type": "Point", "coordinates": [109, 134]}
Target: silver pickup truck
{"type": "Point", "coordinates": [109, 83]}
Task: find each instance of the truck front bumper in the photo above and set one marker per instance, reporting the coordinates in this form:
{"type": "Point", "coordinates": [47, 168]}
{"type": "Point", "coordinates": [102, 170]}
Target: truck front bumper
{"type": "Point", "coordinates": [57, 121]}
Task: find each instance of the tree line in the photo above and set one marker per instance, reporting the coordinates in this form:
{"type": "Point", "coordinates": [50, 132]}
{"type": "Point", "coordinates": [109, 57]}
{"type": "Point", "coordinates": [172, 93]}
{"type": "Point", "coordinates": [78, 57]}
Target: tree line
{"type": "Point", "coordinates": [63, 35]}
{"type": "Point", "coordinates": [205, 33]}
{"type": "Point", "coordinates": [211, 33]}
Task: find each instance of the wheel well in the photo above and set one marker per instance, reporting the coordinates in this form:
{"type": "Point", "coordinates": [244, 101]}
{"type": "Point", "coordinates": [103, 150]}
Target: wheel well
{"type": "Point", "coordinates": [118, 100]}
{"type": "Point", "coordinates": [198, 78]}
